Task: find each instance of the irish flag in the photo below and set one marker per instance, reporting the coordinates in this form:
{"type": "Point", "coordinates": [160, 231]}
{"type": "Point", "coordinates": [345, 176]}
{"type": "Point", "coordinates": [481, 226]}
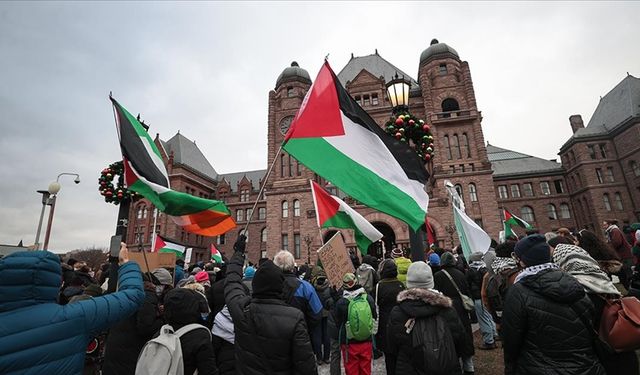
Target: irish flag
{"type": "Point", "coordinates": [334, 137]}
{"type": "Point", "coordinates": [332, 211]}
{"type": "Point", "coordinates": [164, 246]}
{"type": "Point", "coordinates": [215, 255]}
{"type": "Point", "coordinates": [146, 174]}
{"type": "Point", "coordinates": [512, 220]}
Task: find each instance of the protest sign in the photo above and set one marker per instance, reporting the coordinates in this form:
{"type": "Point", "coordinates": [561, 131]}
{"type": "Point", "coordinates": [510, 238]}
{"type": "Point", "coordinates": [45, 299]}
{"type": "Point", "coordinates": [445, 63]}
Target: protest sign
{"type": "Point", "coordinates": [155, 260]}
{"type": "Point", "coordinates": [335, 259]}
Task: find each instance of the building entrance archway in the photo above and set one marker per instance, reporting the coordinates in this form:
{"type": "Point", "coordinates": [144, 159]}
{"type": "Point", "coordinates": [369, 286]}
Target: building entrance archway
{"type": "Point", "coordinates": [386, 244]}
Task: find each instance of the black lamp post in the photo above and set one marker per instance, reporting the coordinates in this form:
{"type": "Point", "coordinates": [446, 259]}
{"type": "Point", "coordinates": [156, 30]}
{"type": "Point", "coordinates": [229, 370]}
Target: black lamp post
{"type": "Point", "coordinates": [307, 240]}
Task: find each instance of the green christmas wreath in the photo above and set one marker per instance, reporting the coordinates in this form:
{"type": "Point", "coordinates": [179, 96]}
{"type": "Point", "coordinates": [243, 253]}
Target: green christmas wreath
{"type": "Point", "coordinates": [405, 127]}
{"type": "Point", "coordinates": [115, 194]}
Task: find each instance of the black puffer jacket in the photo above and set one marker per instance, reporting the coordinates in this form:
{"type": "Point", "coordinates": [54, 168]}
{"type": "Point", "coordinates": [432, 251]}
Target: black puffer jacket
{"type": "Point", "coordinates": [225, 356]}
{"type": "Point", "coordinates": [543, 335]}
{"type": "Point", "coordinates": [418, 304]}
{"type": "Point", "coordinates": [474, 281]}
{"type": "Point", "coordinates": [388, 289]}
{"type": "Point", "coordinates": [270, 336]}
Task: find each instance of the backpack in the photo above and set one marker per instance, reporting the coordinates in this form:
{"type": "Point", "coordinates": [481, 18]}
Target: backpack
{"type": "Point", "coordinates": [364, 273]}
{"type": "Point", "coordinates": [496, 290]}
{"type": "Point", "coordinates": [359, 325]}
{"type": "Point", "coordinates": [433, 338]}
{"type": "Point", "coordinates": [163, 354]}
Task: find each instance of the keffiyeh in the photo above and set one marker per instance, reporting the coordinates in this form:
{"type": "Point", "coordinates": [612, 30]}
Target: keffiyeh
{"type": "Point", "coordinates": [534, 270]}
{"type": "Point", "coordinates": [500, 264]}
{"type": "Point", "coordinates": [579, 264]}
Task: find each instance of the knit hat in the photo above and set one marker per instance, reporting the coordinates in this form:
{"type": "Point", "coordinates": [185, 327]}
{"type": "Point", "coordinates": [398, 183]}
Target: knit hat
{"type": "Point", "coordinates": [163, 276]}
{"type": "Point", "coordinates": [93, 290]}
{"type": "Point", "coordinates": [196, 270]}
{"type": "Point", "coordinates": [249, 272]}
{"type": "Point", "coordinates": [202, 276]}
{"type": "Point", "coordinates": [420, 276]}
{"type": "Point", "coordinates": [447, 259]}
{"type": "Point", "coordinates": [434, 259]}
{"type": "Point", "coordinates": [349, 281]}
{"type": "Point", "coordinates": [388, 269]}
{"type": "Point", "coordinates": [533, 250]}
{"type": "Point", "coordinates": [268, 281]}
{"type": "Point", "coordinates": [396, 253]}
{"type": "Point", "coordinates": [476, 256]}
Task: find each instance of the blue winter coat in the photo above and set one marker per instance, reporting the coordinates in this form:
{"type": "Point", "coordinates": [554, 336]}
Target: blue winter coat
{"type": "Point", "coordinates": [38, 336]}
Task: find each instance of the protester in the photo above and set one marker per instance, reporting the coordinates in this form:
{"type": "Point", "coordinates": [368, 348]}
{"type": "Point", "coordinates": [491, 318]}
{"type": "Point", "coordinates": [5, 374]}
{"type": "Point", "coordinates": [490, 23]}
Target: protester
{"type": "Point", "coordinates": [270, 336]}
{"type": "Point", "coordinates": [223, 342]}
{"type": "Point", "coordinates": [179, 271]}
{"type": "Point", "coordinates": [495, 284]}
{"type": "Point", "coordinates": [366, 274]}
{"type": "Point", "coordinates": [542, 325]}
{"type": "Point", "coordinates": [320, 335]}
{"type": "Point", "coordinates": [299, 293]}
{"type": "Point", "coordinates": [53, 338]}
{"type": "Point", "coordinates": [215, 294]}
{"type": "Point", "coordinates": [619, 243]}
{"type": "Point", "coordinates": [202, 278]}
{"type": "Point", "coordinates": [434, 262]}
{"type": "Point", "coordinates": [126, 338]}
{"type": "Point", "coordinates": [386, 296]}
{"type": "Point", "coordinates": [249, 272]}
{"type": "Point", "coordinates": [599, 250]}
{"type": "Point", "coordinates": [475, 275]}
{"type": "Point", "coordinates": [579, 264]}
{"type": "Point", "coordinates": [356, 309]}
{"type": "Point", "coordinates": [419, 311]}
{"type": "Point", "coordinates": [402, 264]}
{"type": "Point", "coordinates": [446, 281]}
{"type": "Point", "coordinates": [334, 331]}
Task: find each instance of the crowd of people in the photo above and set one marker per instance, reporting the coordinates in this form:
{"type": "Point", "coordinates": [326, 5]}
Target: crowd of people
{"type": "Point", "coordinates": [540, 299]}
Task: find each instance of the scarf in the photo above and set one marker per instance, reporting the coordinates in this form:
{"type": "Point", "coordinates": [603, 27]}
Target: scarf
{"type": "Point", "coordinates": [223, 326]}
{"type": "Point", "coordinates": [534, 270]}
{"type": "Point", "coordinates": [500, 264]}
{"type": "Point", "coordinates": [351, 294]}
{"type": "Point", "coordinates": [579, 264]}
{"type": "Point", "coordinates": [477, 265]}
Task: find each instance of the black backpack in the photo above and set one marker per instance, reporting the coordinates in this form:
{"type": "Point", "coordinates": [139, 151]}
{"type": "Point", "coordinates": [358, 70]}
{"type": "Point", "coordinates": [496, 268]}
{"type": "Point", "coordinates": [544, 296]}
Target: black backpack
{"type": "Point", "coordinates": [496, 291]}
{"type": "Point", "coordinates": [433, 338]}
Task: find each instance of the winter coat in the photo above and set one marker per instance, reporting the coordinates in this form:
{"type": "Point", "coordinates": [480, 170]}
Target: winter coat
{"type": "Point", "coordinates": [126, 339]}
{"type": "Point", "coordinates": [418, 304]}
{"type": "Point", "coordinates": [542, 334]}
{"type": "Point", "coordinates": [444, 285]}
{"type": "Point", "coordinates": [388, 290]}
{"type": "Point", "coordinates": [619, 243]}
{"type": "Point", "coordinates": [38, 336]}
{"type": "Point", "coordinates": [302, 295]}
{"type": "Point", "coordinates": [223, 342]}
{"type": "Point", "coordinates": [270, 336]}
{"type": "Point", "coordinates": [403, 265]}
{"type": "Point", "coordinates": [474, 281]}
{"type": "Point", "coordinates": [341, 312]}
{"type": "Point", "coordinates": [247, 283]}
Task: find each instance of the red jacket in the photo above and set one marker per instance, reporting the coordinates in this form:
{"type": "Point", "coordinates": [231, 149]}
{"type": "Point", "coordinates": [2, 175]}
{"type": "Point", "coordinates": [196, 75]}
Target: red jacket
{"type": "Point", "coordinates": [619, 243]}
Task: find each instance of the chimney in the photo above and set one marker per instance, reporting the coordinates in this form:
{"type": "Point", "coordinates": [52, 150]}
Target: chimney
{"type": "Point", "coordinates": [576, 123]}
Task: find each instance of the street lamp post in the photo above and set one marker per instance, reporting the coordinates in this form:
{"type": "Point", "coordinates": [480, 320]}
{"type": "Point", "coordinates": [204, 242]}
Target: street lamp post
{"type": "Point", "coordinates": [307, 239]}
{"type": "Point", "coordinates": [45, 202]}
{"type": "Point", "coordinates": [53, 190]}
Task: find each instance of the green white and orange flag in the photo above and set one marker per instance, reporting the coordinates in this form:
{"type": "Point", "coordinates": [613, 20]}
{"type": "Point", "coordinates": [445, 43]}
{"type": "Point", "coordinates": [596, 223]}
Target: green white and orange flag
{"type": "Point", "coordinates": [511, 220]}
{"type": "Point", "coordinates": [164, 246]}
{"type": "Point", "coordinates": [334, 137]}
{"type": "Point", "coordinates": [146, 174]}
{"type": "Point", "coordinates": [215, 254]}
{"type": "Point", "coordinates": [333, 212]}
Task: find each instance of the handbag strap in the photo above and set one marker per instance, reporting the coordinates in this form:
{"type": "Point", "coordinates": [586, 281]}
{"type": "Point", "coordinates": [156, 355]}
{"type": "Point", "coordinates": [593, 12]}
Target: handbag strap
{"type": "Point", "coordinates": [453, 282]}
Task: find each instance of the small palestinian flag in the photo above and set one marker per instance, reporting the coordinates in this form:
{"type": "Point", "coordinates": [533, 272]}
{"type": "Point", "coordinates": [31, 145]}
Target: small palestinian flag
{"type": "Point", "coordinates": [333, 212]}
{"type": "Point", "coordinates": [146, 174]}
{"type": "Point", "coordinates": [512, 220]}
{"type": "Point", "coordinates": [215, 255]}
{"type": "Point", "coordinates": [164, 246]}
{"type": "Point", "coordinates": [334, 137]}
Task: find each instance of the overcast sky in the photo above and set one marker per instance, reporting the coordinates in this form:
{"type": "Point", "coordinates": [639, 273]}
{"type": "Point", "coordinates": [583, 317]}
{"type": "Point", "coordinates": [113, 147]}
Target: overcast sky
{"type": "Point", "coordinates": [206, 69]}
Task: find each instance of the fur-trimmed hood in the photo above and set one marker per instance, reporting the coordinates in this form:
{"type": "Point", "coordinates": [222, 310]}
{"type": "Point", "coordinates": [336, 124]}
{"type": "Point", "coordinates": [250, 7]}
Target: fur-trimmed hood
{"type": "Point", "coordinates": [418, 302]}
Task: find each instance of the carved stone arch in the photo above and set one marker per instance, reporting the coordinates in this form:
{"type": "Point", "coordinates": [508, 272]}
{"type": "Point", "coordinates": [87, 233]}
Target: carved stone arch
{"type": "Point", "coordinates": [462, 102]}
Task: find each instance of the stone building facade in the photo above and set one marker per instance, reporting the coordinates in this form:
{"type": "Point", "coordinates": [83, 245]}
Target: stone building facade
{"type": "Point", "coordinates": [546, 193]}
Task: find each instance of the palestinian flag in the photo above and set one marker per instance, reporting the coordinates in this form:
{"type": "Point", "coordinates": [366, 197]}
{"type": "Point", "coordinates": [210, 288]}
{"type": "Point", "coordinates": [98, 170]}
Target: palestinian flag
{"type": "Point", "coordinates": [331, 211]}
{"type": "Point", "coordinates": [215, 255]}
{"type": "Point", "coordinates": [512, 220]}
{"type": "Point", "coordinates": [164, 246]}
{"type": "Point", "coordinates": [146, 174]}
{"type": "Point", "coordinates": [334, 137]}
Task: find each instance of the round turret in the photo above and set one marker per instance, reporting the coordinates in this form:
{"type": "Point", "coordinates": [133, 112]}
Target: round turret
{"type": "Point", "coordinates": [437, 50]}
{"type": "Point", "coordinates": [293, 73]}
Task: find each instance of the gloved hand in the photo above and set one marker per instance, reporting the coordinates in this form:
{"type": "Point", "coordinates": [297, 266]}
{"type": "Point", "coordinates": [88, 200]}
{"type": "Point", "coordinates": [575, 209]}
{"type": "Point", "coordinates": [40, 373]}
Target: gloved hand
{"type": "Point", "coordinates": [240, 244]}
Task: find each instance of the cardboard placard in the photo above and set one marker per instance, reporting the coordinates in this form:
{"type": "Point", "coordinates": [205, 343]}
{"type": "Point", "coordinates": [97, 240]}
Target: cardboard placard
{"type": "Point", "coordinates": [335, 260]}
{"type": "Point", "coordinates": [155, 260]}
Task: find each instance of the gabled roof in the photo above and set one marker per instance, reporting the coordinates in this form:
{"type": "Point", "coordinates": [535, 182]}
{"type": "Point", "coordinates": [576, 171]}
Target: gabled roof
{"type": "Point", "coordinates": [375, 65]}
{"type": "Point", "coordinates": [506, 163]}
{"type": "Point", "coordinates": [187, 153]}
{"type": "Point", "coordinates": [618, 105]}
{"type": "Point", "coordinates": [253, 176]}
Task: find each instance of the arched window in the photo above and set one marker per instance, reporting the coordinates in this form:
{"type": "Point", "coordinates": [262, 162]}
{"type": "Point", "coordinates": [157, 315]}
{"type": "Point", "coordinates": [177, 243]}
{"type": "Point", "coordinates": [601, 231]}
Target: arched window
{"type": "Point", "coordinates": [473, 193]}
{"type": "Point", "coordinates": [263, 235]}
{"type": "Point", "coordinates": [285, 209]}
{"type": "Point", "coordinates": [606, 201]}
{"type": "Point", "coordinates": [551, 212]}
{"type": "Point", "coordinates": [465, 145]}
{"type": "Point", "coordinates": [239, 215]}
{"type": "Point", "coordinates": [449, 105]}
{"type": "Point", "coordinates": [139, 212]}
{"type": "Point", "coordinates": [455, 146]}
{"type": "Point", "coordinates": [290, 166]}
{"type": "Point", "coordinates": [527, 214]}
{"type": "Point", "coordinates": [618, 200]}
{"type": "Point", "coordinates": [447, 147]}
{"type": "Point", "coordinates": [296, 208]}
{"type": "Point", "coordinates": [635, 167]}
{"type": "Point", "coordinates": [565, 212]}
{"type": "Point", "coordinates": [459, 190]}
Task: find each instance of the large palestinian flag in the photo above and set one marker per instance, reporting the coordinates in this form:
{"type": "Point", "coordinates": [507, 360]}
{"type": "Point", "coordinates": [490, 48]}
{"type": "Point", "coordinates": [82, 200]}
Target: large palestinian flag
{"type": "Point", "coordinates": [333, 212]}
{"type": "Point", "coordinates": [334, 137]}
{"type": "Point", "coordinates": [146, 174]}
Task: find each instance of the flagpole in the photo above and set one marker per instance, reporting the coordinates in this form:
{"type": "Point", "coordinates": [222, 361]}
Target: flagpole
{"type": "Point", "coordinates": [153, 236]}
{"type": "Point", "coordinates": [264, 184]}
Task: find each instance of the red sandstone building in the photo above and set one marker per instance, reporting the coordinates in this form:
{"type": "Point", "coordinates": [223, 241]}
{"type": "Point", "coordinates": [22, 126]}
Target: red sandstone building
{"type": "Point", "coordinates": [599, 176]}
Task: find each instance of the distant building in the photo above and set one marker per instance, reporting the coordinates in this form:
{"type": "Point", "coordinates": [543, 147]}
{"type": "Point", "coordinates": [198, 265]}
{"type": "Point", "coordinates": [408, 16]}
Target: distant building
{"type": "Point", "coordinates": [599, 176]}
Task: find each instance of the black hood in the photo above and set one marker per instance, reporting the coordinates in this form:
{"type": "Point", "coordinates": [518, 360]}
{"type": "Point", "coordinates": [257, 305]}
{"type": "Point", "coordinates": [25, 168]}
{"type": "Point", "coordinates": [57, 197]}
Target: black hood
{"type": "Point", "coordinates": [389, 269]}
{"type": "Point", "coordinates": [268, 281]}
{"type": "Point", "coordinates": [556, 285]}
{"type": "Point", "coordinates": [418, 303]}
{"type": "Point", "coordinates": [182, 306]}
